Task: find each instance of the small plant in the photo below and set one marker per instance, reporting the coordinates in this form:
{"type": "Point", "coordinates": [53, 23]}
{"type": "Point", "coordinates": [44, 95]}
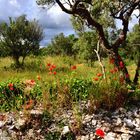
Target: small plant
{"type": "Point", "coordinates": [80, 88]}
{"type": "Point", "coordinates": [11, 95]}
{"type": "Point", "coordinates": [52, 136]}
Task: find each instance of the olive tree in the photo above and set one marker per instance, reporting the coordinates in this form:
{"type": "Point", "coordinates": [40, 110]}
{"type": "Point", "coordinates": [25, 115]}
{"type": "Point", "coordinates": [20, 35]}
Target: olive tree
{"type": "Point", "coordinates": [20, 37]}
{"type": "Point", "coordinates": [91, 12]}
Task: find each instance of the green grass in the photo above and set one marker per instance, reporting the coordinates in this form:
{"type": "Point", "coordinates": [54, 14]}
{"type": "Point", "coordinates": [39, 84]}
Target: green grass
{"type": "Point", "coordinates": [67, 86]}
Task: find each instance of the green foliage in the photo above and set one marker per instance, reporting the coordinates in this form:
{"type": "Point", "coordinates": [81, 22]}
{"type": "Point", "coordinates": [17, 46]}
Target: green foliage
{"type": "Point", "coordinates": [46, 118]}
{"type": "Point", "coordinates": [80, 88]}
{"type": "Point", "coordinates": [61, 45]}
{"type": "Point", "coordinates": [133, 41]}
{"type": "Point", "coordinates": [52, 136]}
{"type": "Point", "coordinates": [85, 46]}
{"type": "Point", "coordinates": [21, 37]}
{"type": "Point", "coordinates": [11, 97]}
{"type": "Point", "coordinates": [14, 93]}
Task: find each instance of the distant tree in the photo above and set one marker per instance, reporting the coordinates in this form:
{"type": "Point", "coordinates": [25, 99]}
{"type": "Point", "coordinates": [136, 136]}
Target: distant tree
{"type": "Point", "coordinates": [3, 51]}
{"type": "Point", "coordinates": [86, 45]}
{"type": "Point", "coordinates": [134, 40]}
{"type": "Point", "coordinates": [93, 13]}
{"type": "Point", "coordinates": [20, 37]}
{"type": "Point", "coordinates": [61, 45]}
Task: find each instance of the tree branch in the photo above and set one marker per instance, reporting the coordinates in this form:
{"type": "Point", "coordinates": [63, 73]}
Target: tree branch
{"type": "Point", "coordinates": [125, 16]}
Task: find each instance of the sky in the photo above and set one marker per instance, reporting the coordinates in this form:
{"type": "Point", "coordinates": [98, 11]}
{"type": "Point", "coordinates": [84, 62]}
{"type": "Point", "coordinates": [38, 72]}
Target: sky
{"type": "Point", "coordinates": [53, 21]}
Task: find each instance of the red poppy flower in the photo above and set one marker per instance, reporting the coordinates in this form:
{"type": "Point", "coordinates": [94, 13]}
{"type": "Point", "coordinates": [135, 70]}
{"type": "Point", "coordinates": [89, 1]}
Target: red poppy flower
{"type": "Point", "coordinates": [112, 60]}
{"type": "Point", "coordinates": [32, 81]}
{"type": "Point", "coordinates": [54, 72]}
{"type": "Point", "coordinates": [50, 73]}
{"type": "Point", "coordinates": [10, 85]}
{"type": "Point", "coordinates": [96, 79]}
{"type": "Point", "coordinates": [11, 88]}
{"type": "Point", "coordinates": [100, 133]}
{"type": "Point", "coordinates": [50, 69]}
{"type": "Point", "coordinates": [112, 71]}
{"type": "Point", "coordinates": [53, 66]}
{"type": "Point", "coordinates": [99, 74]}
{"type": "Point", "coordinates": [115, 69]}
{"type": "Point", "coordinates": [121, 64]}
{"type": "Point", "coordinates": [73, 67]}
{"type": "Point", "coordinates": [49, 64]}
{"type": "Point", "coordinates": [127, 75]}
{"type": "Point", "coordinates": [38, 77]}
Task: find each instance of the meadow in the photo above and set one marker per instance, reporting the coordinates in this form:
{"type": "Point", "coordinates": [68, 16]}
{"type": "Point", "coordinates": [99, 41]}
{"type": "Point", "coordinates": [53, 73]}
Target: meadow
{"type": "Point", "coordinates": [56, 84]}
{"type": "Point", "coordinates": [62, 81]}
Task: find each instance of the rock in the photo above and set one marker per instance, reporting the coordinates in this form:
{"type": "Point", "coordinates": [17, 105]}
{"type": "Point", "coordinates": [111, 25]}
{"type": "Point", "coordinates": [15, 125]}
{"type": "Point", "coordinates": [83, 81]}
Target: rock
{"type": "Point", "coordinates": [122, 130]}
{"type": "Point", "coordinates": [4, 135]}
{"type": "Point", "coordinates": [65, 130]}
{"type": "Point", "coordinates": [2, 123]}
{"type": "Point", "coordinates": [138, 129]}
{"type": "Point", "coordinates": [125, 136]}
{"type": "Point", "coordinates": [129, 123]}
{"type": "Point", "coordinates": [20, 123]}
{"type": "Point", "coordinates": [36, 112]}
{"type": "Point", "coordinates": [119, 122]}
{"type": "Point", "coordinates": [30, 133]}
{"type": "Point", "coordinates": [110, 136]}
{"type": "Point", "coordinates": [94, 122]}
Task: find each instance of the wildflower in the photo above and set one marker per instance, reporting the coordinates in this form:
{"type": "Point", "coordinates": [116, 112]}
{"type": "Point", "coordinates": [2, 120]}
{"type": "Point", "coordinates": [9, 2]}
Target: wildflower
{"type": "Point", "coordinates": [96, 79]}
{"type": "Point", "coordinates": [49, 64]}
{"type": "Point", "coordinates": [30, 82]}
{"type": "Point", "coordinates": [29, 104]}
{"type": "Point", "coordinates": [50, 69]}
{"type": "Point", "coordinates": [112, 71]}
{"type": "Point", "coordinates": [121, 64]}
{"type": "Point", "coordinates": [38, 77]}
{"type": "Point", "coordinates": [100, 133]}
{"type": "Point", "coordinates": [53, 66]}
{"type": "Point", "coordinates": [73, 67]}
{"type": "Point", "coordinates": [99, 74]}
{"type": "Point", "coordinates": [11, 88]}
{"type": "Point", "coordinates": [115, 69]}
{"type": "Point", "coordinates": [54, 72]}
{"type": "Point", "coordinates": [111, 60]}
{"type": "Point", "coordinates": [10, 85]}
{"type": "Point", "coordinates": [127, 75]}
{"type": "Point", "coordinates": [50, 73]}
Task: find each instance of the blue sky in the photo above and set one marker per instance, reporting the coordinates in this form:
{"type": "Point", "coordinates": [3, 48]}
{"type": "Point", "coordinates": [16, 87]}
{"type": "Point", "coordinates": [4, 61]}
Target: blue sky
{"type": "Point", "coordinates": [53, 21]}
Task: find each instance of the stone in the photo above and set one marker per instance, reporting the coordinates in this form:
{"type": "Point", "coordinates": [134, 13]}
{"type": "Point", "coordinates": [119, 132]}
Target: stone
{"type": "Point", "coordinates": [125, 136]}
{"type": "Point", "coordinates": [118, 122]}
{"type": "Point", "coordinates": [129, 123]}
{"type": "Point", "coordinates": [20, 123]}
{"type": "Point", "coordinates": [110, 136]}
{"type": "Point", "coordinates": [2, 123]}
{"type": "Point", "coordinates": [30, 133]}
{"type": "Point", "coordinates": [94, 122]}
{"type": "Point", "coordinates": [65, 130]}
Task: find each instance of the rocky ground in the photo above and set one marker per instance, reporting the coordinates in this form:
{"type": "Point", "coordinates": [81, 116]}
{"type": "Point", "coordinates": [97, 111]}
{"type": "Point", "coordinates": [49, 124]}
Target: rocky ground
{"type": "Point", "coordinates": [121, 124]}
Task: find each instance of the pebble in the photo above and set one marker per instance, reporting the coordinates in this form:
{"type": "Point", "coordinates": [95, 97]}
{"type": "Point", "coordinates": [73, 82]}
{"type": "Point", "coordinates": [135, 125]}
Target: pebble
{"type": "Point", "coordinates": [121, 125]}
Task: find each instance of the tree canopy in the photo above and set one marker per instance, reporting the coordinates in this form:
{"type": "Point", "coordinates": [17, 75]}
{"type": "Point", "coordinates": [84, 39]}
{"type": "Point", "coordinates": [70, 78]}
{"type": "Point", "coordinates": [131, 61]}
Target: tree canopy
{"type": "Point", "coordinates": [94, 13]}
{"type": "Point", "coordinates": [20, 37]}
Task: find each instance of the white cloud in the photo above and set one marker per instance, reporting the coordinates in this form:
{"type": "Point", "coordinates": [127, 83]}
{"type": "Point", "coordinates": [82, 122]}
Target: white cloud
{"type": "Point", "coordinates": [53, 20]}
